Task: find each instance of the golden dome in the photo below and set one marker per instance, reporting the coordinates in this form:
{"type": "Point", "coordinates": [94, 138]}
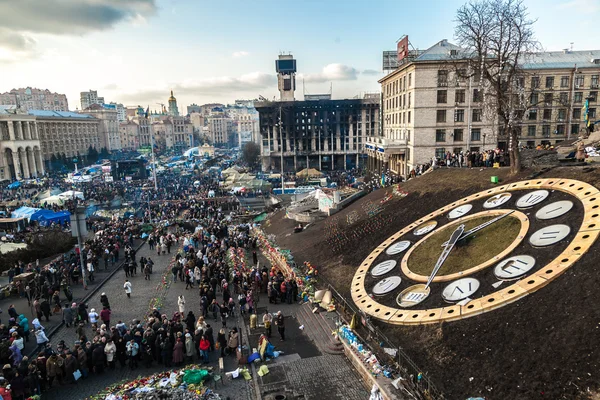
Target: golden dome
{"type": "Point", "coordinates": [172, 98]}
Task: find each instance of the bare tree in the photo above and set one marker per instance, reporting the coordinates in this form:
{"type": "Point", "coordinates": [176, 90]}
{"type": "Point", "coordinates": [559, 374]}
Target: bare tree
{"type": "Point", "coordinates": [498, 37]}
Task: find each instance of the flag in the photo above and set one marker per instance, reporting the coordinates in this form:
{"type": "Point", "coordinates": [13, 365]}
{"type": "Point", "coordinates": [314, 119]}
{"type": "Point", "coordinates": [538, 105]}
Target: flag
{"type": "Point", "coordinates": [382, 179]}
{"type": "Point", "coordinates": [586, 111]}
{"type": "Point", "coordinates": [147, 112]}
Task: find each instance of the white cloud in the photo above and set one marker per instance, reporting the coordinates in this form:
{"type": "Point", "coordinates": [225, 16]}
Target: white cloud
{"type": "Point", "coordinates": [220, 85]}
{"type": "Point", "coordinates": [370, 72]}
{"type": "Point", "coordinates": [239, 54]}
{"type": "Point", "coordinates": [332, 72]}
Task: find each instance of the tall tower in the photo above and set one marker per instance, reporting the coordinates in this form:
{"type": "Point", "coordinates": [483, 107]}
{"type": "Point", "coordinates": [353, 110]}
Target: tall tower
{"type": "Point", "coordinates": [173, 111]}
{"type": "Point", "coordinates": [286, 76]}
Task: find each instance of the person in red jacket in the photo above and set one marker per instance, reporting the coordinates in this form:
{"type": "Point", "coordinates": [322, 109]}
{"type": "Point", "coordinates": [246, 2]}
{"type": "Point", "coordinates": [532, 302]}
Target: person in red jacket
{"type": "Point", "coordinates": [5, 391]}
{"type": "Point", "coordinates": [204, 347]}
{"type": "Point", "coordinates": [105, 316]}
{"type": "Point", "coordinates": [283, 291]}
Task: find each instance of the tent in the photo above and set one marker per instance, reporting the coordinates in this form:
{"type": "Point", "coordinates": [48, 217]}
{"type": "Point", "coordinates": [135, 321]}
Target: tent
{"type": "Point", "coordinates": [15, 185]}
{"type": "Point", "coordinates": [47, 193]}
{"type": "Point", "coordinates": [54, 200]}
{"type": "Point", "coordinates": [309, 173]}
{"type": "Point", "coordinates": [40, 213]}
{"type": "Point", "coordinates": [56, 217]}
{"type": "Point", "coordinates": [24, 212]}
{"type": "Point", "coordinates": [71, 194]}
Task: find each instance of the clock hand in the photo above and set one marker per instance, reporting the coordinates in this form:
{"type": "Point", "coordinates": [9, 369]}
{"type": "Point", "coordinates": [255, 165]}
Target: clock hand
{"type": "Point", "coordinates": [480, 227]}
{"type": "Point", "coordinates": [448, 247]}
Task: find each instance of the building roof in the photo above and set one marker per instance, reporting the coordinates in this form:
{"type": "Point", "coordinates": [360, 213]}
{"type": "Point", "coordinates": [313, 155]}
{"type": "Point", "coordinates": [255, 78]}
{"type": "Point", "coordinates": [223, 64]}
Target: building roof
{"type": "Point", "coordinates": [58, 114]}
{"type": "Point", "coordinates": [9, 109]}
{"type": "Point", "coordinates": [442, 50]}
{"type": "Point", "coordinates": [563, 59]}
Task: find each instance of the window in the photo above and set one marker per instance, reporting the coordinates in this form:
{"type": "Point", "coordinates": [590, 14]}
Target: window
{"type": "Point", "coordinates": [405, 87]}
{"type": "Point", "coordinates": [476, 95]}
{"type": "Point", "coordinates": [574, 129]}
{"type": "Point", "coordinates": [440, 135]}
{"type": "Point", "coordinates": [578, 97]}
{"type": "Point", "coordinates": [577, 113]}
{"type": "Point", "coordinates": [459, 96]}
{"type": "Point", "coordinates": [458, 135]}
{"type": "Point", "coordinates": [459, 116]}
{"type": "Point", "coordinates": [562, 114]}
{"type": "Point", "coordinates": [591, 113]}
{"type": "Point", "coordinates": [531, 144]}
{"type": "Point", "coordinates": [563, 98]}
{"type": "Point", "coordinates": [476, 115]}
{"type": "Point", "coordinates": [535, 82]}
{"type": "Point", "coordinates": [579, 80]}
{"type": "Point", "coordinates": [547, 99]}
{"type": "Point", "coordinates": [441, 116]}
{"type": "Point", "coordinates": [442, 96]}
{"type": "Point", "coordinates": [594, 96]}
{"type": "Point", "coordinates": [442, 79]}
{"type": "Point", "coordinates": [440, 152]}
{"type": "Point", "coordinates": [409, 80]}
{"type": "Point", "coordinates": [545, 130]}
{"type": "Point", "coordinates": [549, 82]}
{"type": "Point", "coordinates": [408, 117]}
{"type": "Point", "coordinates": [560, 129]}
{"type": "Point", "coordinates": [409, 99]}
{"type": "Point", "coordinates": [532, 115]}
{"type": "Point", "coordinates": [534, 99]}
{"type": "Point", "coordinates": [547, 114]}
{"type": "Point", "coordinates": [475, 134]}
{"type": "Point", "coordinates": [531, 130]}
{"type": "Point", "coordinates": [520, 82]}
{"type": "Point", "coordinates": [595, 81]}
{"type": "Point", "coordinates": [564, 81]}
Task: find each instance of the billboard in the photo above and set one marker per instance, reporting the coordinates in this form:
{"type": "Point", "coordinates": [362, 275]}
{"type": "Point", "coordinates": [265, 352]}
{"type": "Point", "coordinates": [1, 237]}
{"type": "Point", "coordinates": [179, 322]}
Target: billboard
{"type": "Point", "coordinates": [390, 60]}
{"type": "Point", "coordinates": [402, 48]}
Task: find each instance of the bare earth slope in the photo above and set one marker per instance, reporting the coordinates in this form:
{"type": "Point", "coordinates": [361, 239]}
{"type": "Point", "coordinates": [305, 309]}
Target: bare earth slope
{"type": "Point", "coordinates": [544, 346]}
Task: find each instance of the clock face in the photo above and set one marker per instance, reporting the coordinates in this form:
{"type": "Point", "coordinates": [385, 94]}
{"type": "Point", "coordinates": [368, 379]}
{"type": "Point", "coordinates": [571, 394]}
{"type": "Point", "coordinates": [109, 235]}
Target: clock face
{"type": "Point", "coordinates": [510, 241]}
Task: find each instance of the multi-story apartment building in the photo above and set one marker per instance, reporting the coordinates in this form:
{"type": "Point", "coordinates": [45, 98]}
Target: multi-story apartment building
{"type": "Point", "coordinates": [431, 105]}
{"type": "Point", "coordinates": [35, 99]}
{"type": "Point", "coordinates": [563, 91]}
{"type": "Point", "coordinates": [322, 134]}
{"type": "Point", "coordinates": [109, 125]}
{"type": "Point", "coordinates": [89, 98]}
{"type": "Point", "coordinates": [194, 108]}
{"type": "Point", "coordinates": [175, 132]}
{"type": "Point", "coordinates": [66, 132]}
{"type": "Point", "coordinates": [121, 115]}
{"type": "Point", "coordinates": [220, 128]}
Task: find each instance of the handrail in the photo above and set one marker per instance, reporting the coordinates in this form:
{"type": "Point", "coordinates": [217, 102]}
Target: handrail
{"type": "Point", "coordinates": [403, 360]}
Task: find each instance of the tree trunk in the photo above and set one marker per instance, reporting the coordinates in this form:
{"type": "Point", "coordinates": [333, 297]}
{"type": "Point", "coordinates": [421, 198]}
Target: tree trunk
{"type": "Point", "coordinates": [513, 149]}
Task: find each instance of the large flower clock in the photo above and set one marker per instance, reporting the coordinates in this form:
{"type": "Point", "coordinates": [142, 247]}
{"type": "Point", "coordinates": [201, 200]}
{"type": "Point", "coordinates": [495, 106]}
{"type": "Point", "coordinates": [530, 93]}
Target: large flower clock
{"type": "Point", "coordinates": [479, 253]}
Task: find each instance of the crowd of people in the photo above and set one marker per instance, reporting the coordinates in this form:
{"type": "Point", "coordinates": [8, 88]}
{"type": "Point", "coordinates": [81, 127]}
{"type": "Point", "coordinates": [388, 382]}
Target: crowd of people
{"type": "Point", "coordinates": [196, 333]}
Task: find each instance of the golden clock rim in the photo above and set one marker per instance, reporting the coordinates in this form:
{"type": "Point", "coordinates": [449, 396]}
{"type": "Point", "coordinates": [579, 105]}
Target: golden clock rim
{"type": "Point", "coordinates": [523, 219]}
{"type": "Point", "coordinates": [586, 235]}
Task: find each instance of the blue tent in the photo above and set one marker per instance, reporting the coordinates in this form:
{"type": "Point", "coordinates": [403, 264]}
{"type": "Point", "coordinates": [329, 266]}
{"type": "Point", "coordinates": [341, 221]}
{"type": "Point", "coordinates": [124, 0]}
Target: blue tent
{"type": "Point", "coordinates": [58, 218]}
{"type": "Point", "coordinates": [40, 213]}
{"type": "Point", "coordinates": [15, 185]}
{"type": "Point", "coordinates": [24, 212]}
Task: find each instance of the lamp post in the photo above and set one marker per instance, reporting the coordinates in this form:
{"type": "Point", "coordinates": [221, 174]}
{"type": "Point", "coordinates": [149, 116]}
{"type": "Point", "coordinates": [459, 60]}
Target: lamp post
{"type": "Point", "coordinates": [281, 147]}
{"type": "Point", "coordinates": [76, 231]}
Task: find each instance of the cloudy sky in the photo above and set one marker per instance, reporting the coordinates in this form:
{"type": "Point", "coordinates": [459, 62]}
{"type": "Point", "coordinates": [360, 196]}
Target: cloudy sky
{"type": "Point", "coordinates": [135, 51]}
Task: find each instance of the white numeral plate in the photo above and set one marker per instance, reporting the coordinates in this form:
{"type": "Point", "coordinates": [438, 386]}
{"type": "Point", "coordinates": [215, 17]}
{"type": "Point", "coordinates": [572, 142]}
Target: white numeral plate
{"type": "Point", "coordinates": [460, 289]}
{"type": "Point", "coordinates": [514, 267]}
{"type": "Point", "coordinates": [386, 285]}
{"type": "Point", "coordinates": [383, 268]}
{"type": "Point", "coordinates": [531, 199]}
{"type": "Point", "coordinates": [554, 210]}
{"type": "Point", "coordinates": [497, 200]}
{"type": "Point", "coordinates": [549, 235]}
{"type": "Point", "coordinates": [398, 247]}
{"type": "Point", "coordinates": [460, 211]}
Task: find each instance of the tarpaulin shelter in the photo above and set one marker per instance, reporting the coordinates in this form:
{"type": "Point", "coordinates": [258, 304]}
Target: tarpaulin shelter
{"type": "Point", "coordinates": [54, 200]}
{"type": "Point", "coordinates": [24, 212]}
{"type": "Point", "coordinates": [58, 218]}
{"type": "Point", "coordinates": [40, 213]}
{"type": "Point", "coordinates": [69, 194]}
{"type": "Point", "coordinates": [309, 173]}
{"type": "Point", "coordinates": [47, 193]}
{"type": "Point", "coordinates": [15, 185]}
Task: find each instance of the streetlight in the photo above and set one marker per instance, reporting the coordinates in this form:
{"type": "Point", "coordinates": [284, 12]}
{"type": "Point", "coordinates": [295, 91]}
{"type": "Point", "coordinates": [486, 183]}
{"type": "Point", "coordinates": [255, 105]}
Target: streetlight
{"type": "Point", "coordinates": [279, 124]}
{"type": "Point", "coordinates": [77, 231]}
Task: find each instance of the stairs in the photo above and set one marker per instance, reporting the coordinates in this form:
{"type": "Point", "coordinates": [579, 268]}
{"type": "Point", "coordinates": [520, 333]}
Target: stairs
{"type": "Point", "coordinates": [319, 327]}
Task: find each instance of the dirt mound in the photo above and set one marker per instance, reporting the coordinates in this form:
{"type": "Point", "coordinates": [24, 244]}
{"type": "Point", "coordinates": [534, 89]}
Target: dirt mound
{"type": "Point", "coordinates": [543, 346]}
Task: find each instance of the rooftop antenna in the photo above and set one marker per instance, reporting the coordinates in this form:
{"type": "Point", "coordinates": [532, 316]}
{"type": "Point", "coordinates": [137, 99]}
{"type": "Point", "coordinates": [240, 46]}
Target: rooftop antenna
{"type": "Point", "coordinates": [572, 46]}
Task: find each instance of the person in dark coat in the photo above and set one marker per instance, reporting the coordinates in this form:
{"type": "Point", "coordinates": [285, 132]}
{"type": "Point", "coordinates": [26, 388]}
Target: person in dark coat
{"type": "Point", "coordinates": [71, 365]}
{"type": "Point", "coordinates": [104, 300]}
{"type": "Point", "coordinates": [98, 358]}
{"type": "Point", "coordinates": [208, 332]}
{"type": "Point", "coordinates": [82, 312]}
{"type": "Point", "coordinates": [45, 307]}
{"type": "Point", "coordinates": [178, 352]}
{"type": "Point", "coordinates": [222, 340]}
{"type": "Point", "coordinates": [166, 350]}
{"type": "Point", "coordinates": [190, 321]}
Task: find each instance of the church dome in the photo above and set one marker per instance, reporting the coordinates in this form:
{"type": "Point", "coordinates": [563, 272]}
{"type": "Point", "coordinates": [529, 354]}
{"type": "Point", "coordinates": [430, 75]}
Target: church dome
{"type": "Point", "coordinates": [172, 98]}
